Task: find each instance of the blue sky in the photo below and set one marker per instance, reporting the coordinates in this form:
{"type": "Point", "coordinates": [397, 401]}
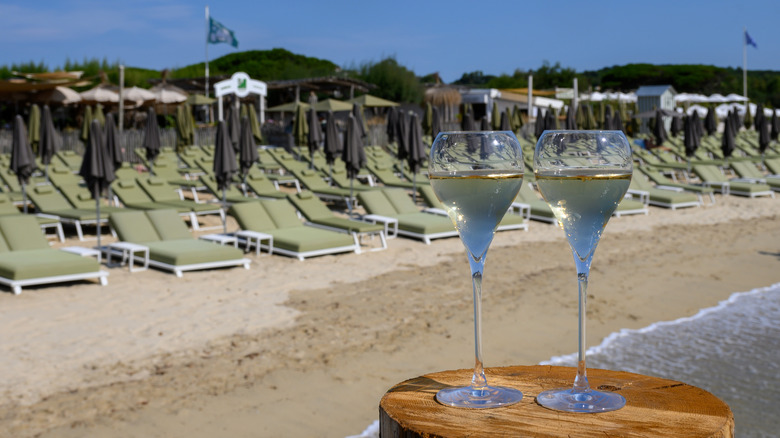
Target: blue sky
{"type": "Point", "coordinates": [451, 37]}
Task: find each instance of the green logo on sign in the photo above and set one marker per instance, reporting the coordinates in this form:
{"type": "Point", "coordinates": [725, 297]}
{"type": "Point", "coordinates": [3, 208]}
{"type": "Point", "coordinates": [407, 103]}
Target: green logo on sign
{"type": "Point", "coordinates": [242, 83]}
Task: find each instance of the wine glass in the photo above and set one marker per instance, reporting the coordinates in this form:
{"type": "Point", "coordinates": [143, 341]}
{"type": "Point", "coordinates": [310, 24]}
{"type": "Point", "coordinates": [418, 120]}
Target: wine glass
{"type": "Point", "coordinates": [582, 175]}
{"type": "Point", "coordinates": [476, 175]}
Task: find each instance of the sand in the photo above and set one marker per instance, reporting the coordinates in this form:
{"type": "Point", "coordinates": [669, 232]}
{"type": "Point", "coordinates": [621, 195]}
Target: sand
{"type": "Point", "coordinates": [291, 348]}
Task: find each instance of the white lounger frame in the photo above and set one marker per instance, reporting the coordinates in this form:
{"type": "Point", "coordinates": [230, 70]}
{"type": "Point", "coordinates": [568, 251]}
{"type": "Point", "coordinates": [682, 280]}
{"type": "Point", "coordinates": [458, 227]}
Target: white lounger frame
{"type": "Point", "coordinates": [17, 285]}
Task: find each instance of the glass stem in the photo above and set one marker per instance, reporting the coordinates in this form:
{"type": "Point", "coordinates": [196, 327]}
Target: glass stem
{"type": "Point", "coordinates": [478, 381]}
{"type": "Point", "coordinates": [581, 381]}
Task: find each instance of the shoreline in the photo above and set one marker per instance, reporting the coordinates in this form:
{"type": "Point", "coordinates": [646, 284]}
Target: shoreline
{"type": "Point", "coordinates": [340, 330]}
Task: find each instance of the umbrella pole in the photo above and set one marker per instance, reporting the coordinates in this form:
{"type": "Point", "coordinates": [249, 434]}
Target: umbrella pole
{"type": "Point", "coordinates": [243, 185]}
{"type": "Point", "coordinates": [97, 209]}
{"type": "Point", "coordinates": [224, 207]}
{"type": "Point", "coordinates": [351, 189]}
{"type": "Point", "coordinates": [414, 187]}
{"type": "Point", "coordinates": [24, 197]}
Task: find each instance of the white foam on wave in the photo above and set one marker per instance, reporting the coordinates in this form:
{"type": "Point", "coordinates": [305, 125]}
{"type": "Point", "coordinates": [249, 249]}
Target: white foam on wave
{"type": "Point", "coordinates": [571, 359]}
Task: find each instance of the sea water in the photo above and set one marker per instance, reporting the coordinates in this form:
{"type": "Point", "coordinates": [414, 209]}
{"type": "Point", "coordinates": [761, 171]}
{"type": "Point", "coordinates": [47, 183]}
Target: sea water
{"type": "Point", "coordinates": [731, 350]}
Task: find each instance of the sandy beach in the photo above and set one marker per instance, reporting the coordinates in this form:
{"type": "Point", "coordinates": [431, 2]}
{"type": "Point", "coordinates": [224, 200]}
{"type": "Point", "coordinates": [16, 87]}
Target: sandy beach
{"type": "Point", "coordinates": [307, 349]}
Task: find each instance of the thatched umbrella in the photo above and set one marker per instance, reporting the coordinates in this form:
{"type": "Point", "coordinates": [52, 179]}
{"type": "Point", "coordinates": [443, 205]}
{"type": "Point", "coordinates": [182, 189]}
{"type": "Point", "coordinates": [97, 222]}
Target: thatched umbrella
{"type": "Point", "coordinates": [22, 158]}
{"type": "Point", "coordinates": [444, 97]}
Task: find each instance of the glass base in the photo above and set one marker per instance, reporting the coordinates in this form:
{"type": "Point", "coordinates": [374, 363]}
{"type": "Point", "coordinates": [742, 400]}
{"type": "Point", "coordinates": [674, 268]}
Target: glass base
{"type": "Point", "coordinates": [569, 400]}
{"type": "Point", "coordinates": [487, 397]}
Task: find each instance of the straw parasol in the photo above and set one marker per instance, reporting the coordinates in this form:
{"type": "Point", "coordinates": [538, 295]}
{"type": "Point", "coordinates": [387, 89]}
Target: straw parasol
{"type": "Point", "coordinates": [370, 101]}
{"type": "Point", "coordinates": [102, 93]}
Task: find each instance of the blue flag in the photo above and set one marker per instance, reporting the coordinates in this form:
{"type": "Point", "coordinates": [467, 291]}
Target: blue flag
{"type": "Point", "coordinates": [749, 41]}
{"type": "Point", "coordinates": [220, 34]}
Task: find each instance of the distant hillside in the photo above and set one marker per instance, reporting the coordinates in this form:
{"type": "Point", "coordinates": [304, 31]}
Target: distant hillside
{"type": "Point", "coordinates": [275, 64]}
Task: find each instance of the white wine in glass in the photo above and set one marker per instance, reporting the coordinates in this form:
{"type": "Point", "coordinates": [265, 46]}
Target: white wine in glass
{"type": "Point", "coordinates": [476, 176]}
{"type": "Point", "coordinates": [582, 175]}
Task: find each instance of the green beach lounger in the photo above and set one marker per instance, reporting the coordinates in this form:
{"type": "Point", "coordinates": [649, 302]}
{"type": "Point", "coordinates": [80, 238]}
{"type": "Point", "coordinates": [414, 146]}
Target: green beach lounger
{"type": "Point", "coordinates": [711, 176]}
{"type": "Point", "coordinates": [26, 258]}
{"type": "Point", "coordinates": [291, 237]}
{"type": "Point", "coordinates": [171, 245]}
{"type": "Point", "coordinates": [318, 214]}
{"type": "Point", "coordinates": [510, 221]}
{"type": "Point", "coordinates": [388, 204]}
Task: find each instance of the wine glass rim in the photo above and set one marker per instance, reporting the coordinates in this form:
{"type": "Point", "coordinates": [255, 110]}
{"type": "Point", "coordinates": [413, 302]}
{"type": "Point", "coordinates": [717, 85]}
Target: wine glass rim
{"type": "Point", "coordinates": [581, 131]}
{"type": "Point", "coordinates": [473, 132]}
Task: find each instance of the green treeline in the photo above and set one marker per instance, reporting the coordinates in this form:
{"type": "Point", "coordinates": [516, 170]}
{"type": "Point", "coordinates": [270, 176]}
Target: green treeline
{"type": "Point", "coordinates": [397, 83]}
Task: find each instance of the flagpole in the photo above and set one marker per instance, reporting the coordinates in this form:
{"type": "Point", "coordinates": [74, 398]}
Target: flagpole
{"type": "Point", "coordinates": [207, 51]}
{"type": "Point", "coordinates": [744, 62]}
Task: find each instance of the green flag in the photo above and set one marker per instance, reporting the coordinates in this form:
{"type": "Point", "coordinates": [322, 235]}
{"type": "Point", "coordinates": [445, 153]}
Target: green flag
{"type": "Point", "coordinates": [220, 34]}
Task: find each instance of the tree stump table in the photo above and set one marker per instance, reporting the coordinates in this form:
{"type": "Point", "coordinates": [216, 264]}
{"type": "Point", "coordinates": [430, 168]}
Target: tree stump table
{"type": "Point", "coordinates": [655, 407]}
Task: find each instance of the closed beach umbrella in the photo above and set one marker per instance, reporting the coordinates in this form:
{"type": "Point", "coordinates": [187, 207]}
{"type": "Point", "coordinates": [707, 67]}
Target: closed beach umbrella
{"type": "Point", "coordinates": [416, 151]}
{"type": "Point", "coordinates": [113, 146]}
{"type": "Point", "coordinates": [224, 163]}
{"type": "Point", "coordinates": [392, 121]}
{"type": "Point", "coordinates": [759, 117]}
{"type": "Point", "coordinates": [315, 135]}
{"type": "Point", "coordinates": [332, 144]}
{"type": "Point", "coordinates": [403, 136]}
{"type": "Point", "coordinates": [300, 126]}
{"type": "Point", "coordinates": [617, 122]}
{"type": "Point", "coordinates": [571, 118]}
{"type": "Point", "coordinates": [763, 135]}
{"type": "Point", "coordinates": [85, 124]}
{"type": "Point", "coordinates": [677, 126]}
{"type": "Point", "coordinates": [727, 141]}
{"type": "Point", "coordinates": [659, 130]}
{"type": "Point", "coordinates": [233, 122]}
{"type": "Point", "coordinates": [505, 124]}
{"type": "Point", "coordinates": [254, 123]}
{"type": "Point", "coordinates": [495, 118]}
{"type": "Point", "coordinates": [467, 123]}
{"type": "Point", "coordinates": [608, 117]}
{"type": "Point", "coordinates": [710, 124]}
{"type": "Point", "coordinates": [353, 155]}
{"type": "Point", "coordinates": [774, 130]}
{"type": "Point", "coordinates": [96, 168]}
{"type": "Point", "coordinates": [99, 115]}
{"type": "Point", "coordinates": [698, 126]}
{"type": "Point", "coordinates": [184, 129]}
{"type": "Point", "coordinates": [22, 158]}
{"type": "Point", "coordinates": [484, 124]}
{"type": "Point", "coordinates": [357, 111]}
{"type": "Point", "coordinates": [247, 150]}
{"type": "Point", "coordinates": [539, 126]}
{"type": "Point", "coordinates": [517, 120]}
{"type": "Point", "coordinates": [151, 140]}
{"type": "Point", "coordinates": [691, 140]}
{"type": "Point", "coordinates": [437, 123]}
{"type": "Point", "coordinates": [550, 122]}
{"type": "Point", "coordinates": [34, 127]}
{"type": "Point", "coordinates": [50, 141]}
{"type": "Point", "coordinates": [427, 121]}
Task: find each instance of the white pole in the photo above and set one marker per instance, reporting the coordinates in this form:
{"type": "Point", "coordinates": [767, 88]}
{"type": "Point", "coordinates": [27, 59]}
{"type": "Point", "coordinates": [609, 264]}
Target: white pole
{"type": "Point", "coordinates": [744, 62]}
{"type": "Point", "coordinates": [207, 50]}
{"type": "Point", "coordinates": [530, 96]}
{"type": "Point", "coordinates": [121, 99]}
{"type": "Point", "coordinates": [575, 99]}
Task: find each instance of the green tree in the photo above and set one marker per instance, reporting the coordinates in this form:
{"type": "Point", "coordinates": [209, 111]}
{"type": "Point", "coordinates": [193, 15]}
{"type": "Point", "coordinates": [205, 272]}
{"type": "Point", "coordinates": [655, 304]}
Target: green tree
{"type": "Point", "coordinates": [394, 81]}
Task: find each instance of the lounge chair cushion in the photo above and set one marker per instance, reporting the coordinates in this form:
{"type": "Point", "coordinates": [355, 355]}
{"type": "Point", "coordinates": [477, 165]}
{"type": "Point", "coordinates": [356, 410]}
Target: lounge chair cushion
{"type": "Point", "coordinates": [401, 201]}
{"type": "Point", "coordinates": [282, 213]}
{"type": "Point", "coordinates": [350, 225]}
{"type": "Point", "coordinates": [22, 233]}
{"type": "Point", "coordinates": [305, 239]}
{"type": "Point", "coordinates": [3, 245]}
{"type": "Point", "coordinates": [424, 223]}
{"type": "Point", "coordinates": [377, 203]}
{"type": "Point", "coordinates": [190, 251]}
{"type": "Point", "coordinates": [134, 226]}
{"type": "Point", "coordinates": [168, 224]}
{"type": "Point", "coordinates": [23, 265]}
{"type": "Point", "coordinates": [252, 216]}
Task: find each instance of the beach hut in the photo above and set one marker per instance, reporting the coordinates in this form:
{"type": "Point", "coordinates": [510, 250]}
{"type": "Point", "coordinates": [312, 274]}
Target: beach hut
{"type": "Point", "coordinates": [651, 97]}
